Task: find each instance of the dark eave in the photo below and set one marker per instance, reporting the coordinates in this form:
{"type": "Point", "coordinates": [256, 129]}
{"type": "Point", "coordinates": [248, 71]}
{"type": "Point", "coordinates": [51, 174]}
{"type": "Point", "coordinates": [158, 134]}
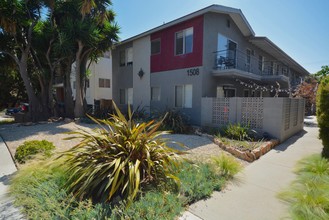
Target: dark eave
{"type": "Point", "coordinates": [269, 47]}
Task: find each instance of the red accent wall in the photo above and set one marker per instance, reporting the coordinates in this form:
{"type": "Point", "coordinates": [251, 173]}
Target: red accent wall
{"type": "Point", "coordinates": [167, 60]}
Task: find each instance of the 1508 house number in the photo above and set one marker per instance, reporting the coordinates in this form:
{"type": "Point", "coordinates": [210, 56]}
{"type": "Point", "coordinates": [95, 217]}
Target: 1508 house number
{"type": "Point", "coordinates": [193, 72]}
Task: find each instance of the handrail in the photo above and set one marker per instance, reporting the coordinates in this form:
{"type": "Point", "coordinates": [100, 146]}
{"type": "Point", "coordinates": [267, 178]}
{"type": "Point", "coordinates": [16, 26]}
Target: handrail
{"type": "Point", "coordinates": [236, 59]}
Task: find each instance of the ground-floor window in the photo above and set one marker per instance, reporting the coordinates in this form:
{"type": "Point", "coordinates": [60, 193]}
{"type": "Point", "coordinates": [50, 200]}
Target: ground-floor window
{"type": "Point", "coordinates": [246, 93]}
{"type": "Point", "coordinates": [229, 92]}
{"type": "Point", "coordinates": [183, 96]}
{"type": "Point", "coordinates": [126, 96]}
{"type": "Point", "coordinates": [155, 93]}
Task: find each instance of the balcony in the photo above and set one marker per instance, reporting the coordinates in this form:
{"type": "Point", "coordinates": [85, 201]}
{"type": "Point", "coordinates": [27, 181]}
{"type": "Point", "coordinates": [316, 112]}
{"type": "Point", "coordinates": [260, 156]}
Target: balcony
{"type": "Point", "coordinates": [241, 65]}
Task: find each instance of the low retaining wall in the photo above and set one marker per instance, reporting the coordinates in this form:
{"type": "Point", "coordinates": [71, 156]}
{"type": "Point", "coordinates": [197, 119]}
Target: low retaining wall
{"type": "Point", "coordinates": [249, 155]}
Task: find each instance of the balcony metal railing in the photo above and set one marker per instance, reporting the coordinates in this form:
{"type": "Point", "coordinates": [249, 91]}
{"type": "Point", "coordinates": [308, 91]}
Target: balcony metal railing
{"type": "Point", "coordinates": [235, 59]}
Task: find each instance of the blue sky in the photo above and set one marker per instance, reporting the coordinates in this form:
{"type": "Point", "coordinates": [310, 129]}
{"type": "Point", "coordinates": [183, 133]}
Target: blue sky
{"type": "Point", "coordinates": [299, 27]}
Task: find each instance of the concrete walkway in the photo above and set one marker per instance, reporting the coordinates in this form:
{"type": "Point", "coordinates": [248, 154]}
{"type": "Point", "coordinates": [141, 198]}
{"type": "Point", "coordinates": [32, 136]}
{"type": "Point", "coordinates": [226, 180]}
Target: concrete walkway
{"type": "Point", "coordinates": [253, 195]}
{"type": "Point", "coordinates": [7, 168]}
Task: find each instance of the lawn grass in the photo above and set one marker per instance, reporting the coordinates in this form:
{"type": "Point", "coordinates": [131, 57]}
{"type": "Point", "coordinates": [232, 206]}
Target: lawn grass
{"type": "Point", "coordinates": [40, 188]}
{"type": "Point", "coordinates": [308, 195]}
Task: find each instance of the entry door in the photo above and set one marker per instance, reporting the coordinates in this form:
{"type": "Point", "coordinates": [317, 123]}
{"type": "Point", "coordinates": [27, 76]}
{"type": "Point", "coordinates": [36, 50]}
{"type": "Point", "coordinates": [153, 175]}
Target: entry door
{"type": "Point", "coordinates": [229, 92]}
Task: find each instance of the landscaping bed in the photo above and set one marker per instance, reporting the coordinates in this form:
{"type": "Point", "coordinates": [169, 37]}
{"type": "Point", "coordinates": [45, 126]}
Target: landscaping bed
{"type": "Point", "coordinates": [248, 151]}
{"type": "Point", "coordinates": [124, 172]}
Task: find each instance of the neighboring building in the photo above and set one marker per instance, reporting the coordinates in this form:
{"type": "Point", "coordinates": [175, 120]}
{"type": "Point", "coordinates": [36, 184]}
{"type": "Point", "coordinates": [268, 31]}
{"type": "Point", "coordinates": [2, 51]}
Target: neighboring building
{"type": "Point", "coordinates": [99, 81]}
{"type": "Point", "coordinates": [210, 53]}
{"type": "Point", "coordinates": [98, 84]}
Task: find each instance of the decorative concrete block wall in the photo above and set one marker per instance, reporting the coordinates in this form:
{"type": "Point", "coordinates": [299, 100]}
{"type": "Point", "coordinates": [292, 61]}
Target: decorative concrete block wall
{"type": "Point", "coordinates": [279, 117]}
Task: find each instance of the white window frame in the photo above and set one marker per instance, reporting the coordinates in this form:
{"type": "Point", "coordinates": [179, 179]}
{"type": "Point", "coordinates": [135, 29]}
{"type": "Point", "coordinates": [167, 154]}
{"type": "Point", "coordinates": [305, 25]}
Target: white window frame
{"type": "Point", "coordinates": [158, 97]}
{"type": "Point", "coordinates": [122, 60]}
{"type": "Point", "coordinates": [104, 83]}
{"type": "Point", "coordinates": [187, 99]}
{"type": "Point", "coordinates": [184, 33]}
{"type": "Point", "coordinates": [128, 96]}
{"type": "Point", "coordinates": [156, 40]}
{"type": "Point", "coordinates": [263, 61]}
{"type": "Point", "coordinates": [129, 56]}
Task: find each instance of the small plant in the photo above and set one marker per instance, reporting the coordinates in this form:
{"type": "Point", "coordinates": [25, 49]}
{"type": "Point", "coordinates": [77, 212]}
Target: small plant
{"type": "Point", "coordinates": [227, 165]}
{"type": "Point", "coordinates": [237, 132]}
{"type": "Point", "coordinates": [29, 149]}
{"type": "Point", "coordinates": [308, 196]}
{"type": "Point", "coordinates": [119, 158]}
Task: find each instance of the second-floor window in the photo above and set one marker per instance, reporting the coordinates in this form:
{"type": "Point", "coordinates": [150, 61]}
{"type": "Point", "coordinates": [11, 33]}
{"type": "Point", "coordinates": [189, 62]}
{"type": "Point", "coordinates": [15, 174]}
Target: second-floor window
{"type": "Point", "coordinates": [155, 46]}
{"type": "Point", "coordinates": [184, 41]}
{"type": "Point", "coordinates": [261, 63]}
{"type": "Point", "coordinates": [129, 56]}
{"type": "Point", "coordinates": [248, 52]}
{"type": "Point", "coordinates": [122, 58]}
{"type": "Point", "coordinates": [126, 57]}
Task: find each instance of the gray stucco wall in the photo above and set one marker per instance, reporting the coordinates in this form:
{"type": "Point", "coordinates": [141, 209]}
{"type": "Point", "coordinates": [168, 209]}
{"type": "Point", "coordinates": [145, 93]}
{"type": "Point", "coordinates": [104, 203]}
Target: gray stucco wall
{"type": "Point", "coordinates": [217, 23]}
{"type": "Point", "coordinates": [167, 80]}
{"type": "Point", "coordinates": [141, 89]}
{"type": "Point", "coordinates": [122, 75]}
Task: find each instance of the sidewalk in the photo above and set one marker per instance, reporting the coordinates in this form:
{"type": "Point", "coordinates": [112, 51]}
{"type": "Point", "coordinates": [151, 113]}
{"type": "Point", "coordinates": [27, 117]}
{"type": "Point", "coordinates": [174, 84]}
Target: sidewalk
{"type": "Point", "coordinates": [253, 196]}
{"type": "Point", "coordinates": [7, 168]}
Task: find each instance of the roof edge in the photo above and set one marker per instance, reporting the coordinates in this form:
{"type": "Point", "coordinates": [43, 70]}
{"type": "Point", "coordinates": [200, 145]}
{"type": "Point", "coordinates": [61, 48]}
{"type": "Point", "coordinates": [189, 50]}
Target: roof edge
{"type": "Point", "coordinates": [212, 8]}
{"type": "Point", "coordinates": [263, 38]}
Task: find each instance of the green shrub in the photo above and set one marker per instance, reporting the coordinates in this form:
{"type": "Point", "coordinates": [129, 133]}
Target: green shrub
{"type": "Point", "coordinates": [39, 189]}
{"type": "Point", "coordinates": [175, 121]}
{"type": "Point", "coordinates": [308, 196]}
{"type": "Point", "coordinates": [118, 158]}
{"type": "Point", "coordinates": [30, 148]}
{"type": "Point", "coordinates": [198, 181]}
{"type": "Point", "coordinates": [152, 205]}
{"type": "Point", "coordinates": [322, 113]}
{"type": "Point", "coordinates": [227, 165]}
{"type": "Point", "coordinates": [237, 132]}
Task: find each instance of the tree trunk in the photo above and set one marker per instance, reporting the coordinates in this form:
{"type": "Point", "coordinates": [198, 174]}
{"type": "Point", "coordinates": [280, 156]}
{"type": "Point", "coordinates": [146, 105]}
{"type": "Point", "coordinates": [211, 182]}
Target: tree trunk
{"type": "Point", "coordinates": [35, 108]}
{"type": "Point", "coordinates": [78, 107]}
{"type": "Point", "coordinates": [68, 100]}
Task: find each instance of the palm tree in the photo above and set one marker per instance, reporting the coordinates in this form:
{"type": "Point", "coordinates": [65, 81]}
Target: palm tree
{"type": "Point", "coordinates": [17, 21]}
{"type": "Point", "coordinates": [90, 27]}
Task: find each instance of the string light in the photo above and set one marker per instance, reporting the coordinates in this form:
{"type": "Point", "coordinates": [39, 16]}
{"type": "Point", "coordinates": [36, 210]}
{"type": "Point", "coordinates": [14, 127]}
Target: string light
{"type": "Point", "coordinates": [271, 88]}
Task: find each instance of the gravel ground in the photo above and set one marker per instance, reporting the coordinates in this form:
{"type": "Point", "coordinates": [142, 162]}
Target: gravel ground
{"type": "Point", "coordinates": [15, 134]}
{"type": "Point", "coordinates": [198, 147]}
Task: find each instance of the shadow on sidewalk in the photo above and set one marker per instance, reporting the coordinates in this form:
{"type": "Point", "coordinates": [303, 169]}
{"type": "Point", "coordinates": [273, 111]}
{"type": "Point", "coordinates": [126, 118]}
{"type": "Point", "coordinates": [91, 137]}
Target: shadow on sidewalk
{"type": "Point", "coordinates": [284, 146]}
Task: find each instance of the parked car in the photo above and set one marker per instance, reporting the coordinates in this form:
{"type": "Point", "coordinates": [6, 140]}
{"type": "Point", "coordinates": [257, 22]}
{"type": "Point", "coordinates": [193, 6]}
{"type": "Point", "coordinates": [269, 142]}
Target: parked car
{"type": "Point", "coordinates": [23, 107]}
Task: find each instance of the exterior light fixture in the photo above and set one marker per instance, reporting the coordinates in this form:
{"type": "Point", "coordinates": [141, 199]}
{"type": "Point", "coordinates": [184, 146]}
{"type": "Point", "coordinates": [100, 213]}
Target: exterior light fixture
{"type": "Point", "coordinates": [140, 73]}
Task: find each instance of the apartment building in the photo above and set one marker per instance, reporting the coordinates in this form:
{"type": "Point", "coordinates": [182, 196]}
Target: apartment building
{"type": "Point", "coordinates": [212, 52]}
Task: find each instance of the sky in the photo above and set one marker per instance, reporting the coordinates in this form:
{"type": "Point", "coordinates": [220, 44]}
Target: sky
{"type": "Point", "coordinates": [298, 27]}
